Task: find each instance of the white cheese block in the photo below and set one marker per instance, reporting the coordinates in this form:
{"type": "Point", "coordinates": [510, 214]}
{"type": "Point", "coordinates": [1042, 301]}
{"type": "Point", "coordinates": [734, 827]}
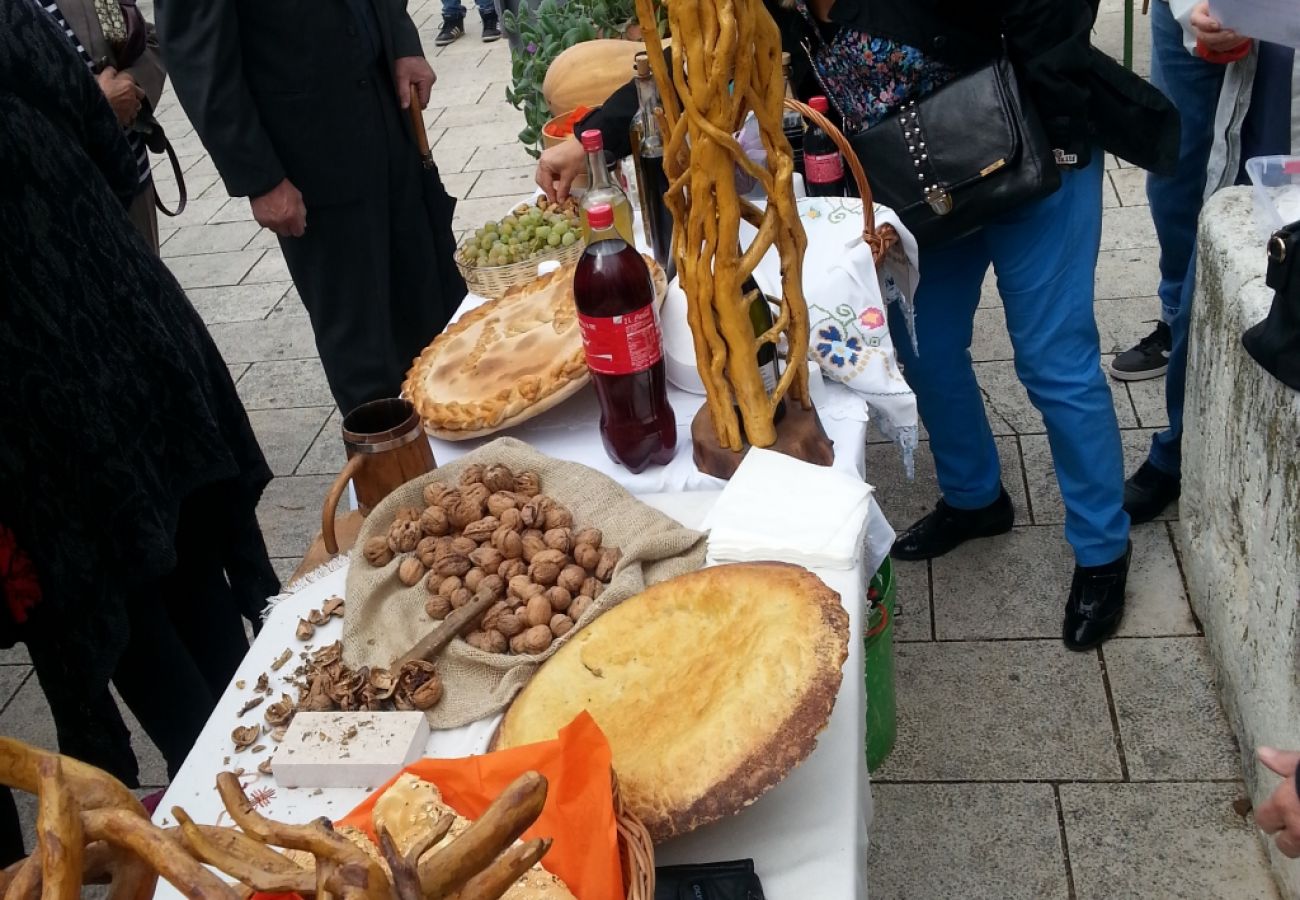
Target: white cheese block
{"type": "Point", "coordinates": [348, 749]}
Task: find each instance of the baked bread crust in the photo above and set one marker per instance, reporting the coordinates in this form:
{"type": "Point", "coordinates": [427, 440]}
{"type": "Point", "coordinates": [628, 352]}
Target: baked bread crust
{"type": "Point", "coordinates": [710, 687]}
{"type": "Point", "coordinates": [506, 361]}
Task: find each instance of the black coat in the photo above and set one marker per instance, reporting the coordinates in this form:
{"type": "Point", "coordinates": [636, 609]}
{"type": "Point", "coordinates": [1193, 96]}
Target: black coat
{"type": "Point", "coordinates": [1082, 96]}
{"type": "Point", "coordinates": [274, 87]}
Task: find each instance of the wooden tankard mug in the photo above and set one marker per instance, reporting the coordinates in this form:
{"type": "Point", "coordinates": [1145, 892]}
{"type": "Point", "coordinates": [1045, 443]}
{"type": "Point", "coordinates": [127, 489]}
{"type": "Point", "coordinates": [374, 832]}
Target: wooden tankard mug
{"type": "Point", "coordinates": [386, 448]}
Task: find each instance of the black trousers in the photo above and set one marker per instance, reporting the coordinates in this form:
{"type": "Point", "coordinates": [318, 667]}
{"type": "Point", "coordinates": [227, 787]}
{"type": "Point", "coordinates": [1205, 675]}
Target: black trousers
{"type": "Point", "coordinates": [374, 274]}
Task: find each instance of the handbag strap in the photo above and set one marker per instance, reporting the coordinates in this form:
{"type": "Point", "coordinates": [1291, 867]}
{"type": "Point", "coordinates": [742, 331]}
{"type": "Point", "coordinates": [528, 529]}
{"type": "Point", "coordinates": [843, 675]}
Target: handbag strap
{"type": "Point", "coordinates": [180, 180]}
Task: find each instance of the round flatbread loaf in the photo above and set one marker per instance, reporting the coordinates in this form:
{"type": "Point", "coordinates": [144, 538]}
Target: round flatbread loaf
{"type": "Point", "coordinates": [710, 687]}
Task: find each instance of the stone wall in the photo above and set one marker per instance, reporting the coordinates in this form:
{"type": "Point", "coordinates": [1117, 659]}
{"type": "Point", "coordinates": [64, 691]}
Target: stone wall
{"type": "Point", "coordinates": [1240, 516]}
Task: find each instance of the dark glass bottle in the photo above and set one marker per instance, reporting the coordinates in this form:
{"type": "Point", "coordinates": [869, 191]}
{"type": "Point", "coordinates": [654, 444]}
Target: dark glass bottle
{"type": "Point", "coordinates": [823, 165]}
{"type": "Point", "coordinates": [615, 296]}
{"type": "Point", "coordinates": [769, 365]}
{"type": "Point", "coordinates": [791, 121]}
{"type": "Point", "coordinates": [648, 158]}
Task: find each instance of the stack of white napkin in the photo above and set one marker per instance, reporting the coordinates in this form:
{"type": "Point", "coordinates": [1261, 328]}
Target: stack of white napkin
{"type": "Point", "coordinates": [778, 507]}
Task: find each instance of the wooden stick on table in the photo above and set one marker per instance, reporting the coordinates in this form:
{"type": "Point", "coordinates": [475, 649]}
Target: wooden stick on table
{"type": "Point", "coordinates": [460, 621]}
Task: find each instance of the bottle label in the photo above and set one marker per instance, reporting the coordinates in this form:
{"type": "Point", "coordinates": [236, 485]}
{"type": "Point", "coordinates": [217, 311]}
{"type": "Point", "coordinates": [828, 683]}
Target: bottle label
{"type": "Point", "coordinates": [823, 168]}
{"type": "Point", "coordinates": [770, 375]}
{"type": "Point", "coordinates": [621, 345]}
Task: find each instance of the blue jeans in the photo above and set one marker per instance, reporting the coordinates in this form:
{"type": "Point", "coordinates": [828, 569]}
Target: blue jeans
{"type": "Point", "coordinates": [455, 9]}
{"type": "Point", "coordinates": [1045, 257]}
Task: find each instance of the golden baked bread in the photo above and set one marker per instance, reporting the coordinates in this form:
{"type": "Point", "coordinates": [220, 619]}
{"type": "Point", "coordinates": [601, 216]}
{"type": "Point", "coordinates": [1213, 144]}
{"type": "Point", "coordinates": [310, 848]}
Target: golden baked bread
{"type": "Point", "coordinates": [710, 687]}
{"type": "Point", "coordinates": [505, 361]}
{"type": "Point", "coordinates": [412, 805]}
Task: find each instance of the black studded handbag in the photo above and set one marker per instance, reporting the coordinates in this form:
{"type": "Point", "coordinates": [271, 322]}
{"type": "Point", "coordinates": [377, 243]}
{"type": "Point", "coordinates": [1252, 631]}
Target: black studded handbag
{"type": "Point", "coordinates": [1275, 342]}
{"type": "Point", "coordinates": [961, 156]}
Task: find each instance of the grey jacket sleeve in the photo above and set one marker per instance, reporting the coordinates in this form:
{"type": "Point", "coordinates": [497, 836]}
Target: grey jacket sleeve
{"type": "Point", "coordinates": [201, 46]}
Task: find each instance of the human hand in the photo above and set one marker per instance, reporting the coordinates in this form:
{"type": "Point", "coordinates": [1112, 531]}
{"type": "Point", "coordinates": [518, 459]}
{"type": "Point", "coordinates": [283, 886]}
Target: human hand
{"type": "Point", "coordinates": [1211, 33]}
{"type": "Point", "coordinates": [413, 70]}
{"type": "Point", "coordinates": [558, 166]}
{"type": "Point", "coordinates": [122, 93]}
{"type": "Point", "coordinates": [1279, 815]}
{"type": "Point", "coordinates": [281, 210]}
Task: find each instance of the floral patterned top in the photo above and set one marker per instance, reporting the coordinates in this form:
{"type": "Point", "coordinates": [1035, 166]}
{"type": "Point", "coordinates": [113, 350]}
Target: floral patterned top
{"type": "Point", "coordinates": [867, 77]}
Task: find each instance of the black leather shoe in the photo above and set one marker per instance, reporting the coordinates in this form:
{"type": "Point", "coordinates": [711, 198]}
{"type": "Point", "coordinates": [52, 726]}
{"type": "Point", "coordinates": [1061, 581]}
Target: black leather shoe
{"type": "Point", "coordinates": [1148, 491]}
{"type": "Point", "coordinates": [947, 528]}
{"type": "Point", "coordinates": [1096, 603]}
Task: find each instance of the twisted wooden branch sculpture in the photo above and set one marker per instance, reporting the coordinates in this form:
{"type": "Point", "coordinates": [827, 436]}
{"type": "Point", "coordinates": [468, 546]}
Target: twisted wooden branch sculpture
{"type": "Point", "coordinates": [732, 52]}
{"type": "Point", "coordinates": [91, 828]}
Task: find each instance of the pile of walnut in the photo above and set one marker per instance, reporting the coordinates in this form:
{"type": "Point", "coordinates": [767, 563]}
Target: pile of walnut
{"type": "Point", "coordinates": [495, 532]}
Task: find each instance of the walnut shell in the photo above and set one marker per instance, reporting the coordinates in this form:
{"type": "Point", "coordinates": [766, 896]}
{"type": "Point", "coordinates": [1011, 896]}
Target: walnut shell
{"type": "Point", "coordinates": [512, 519]}
{"type": "Point", "coordinates": [591, 536]}
{"type": "Point", "coordinates": [427, 552]}
{"type": "Point", "coordinates": [537, 638]}
{"type": "Point", "coordinates": [559, 598]}
{"type": "Point", "coordinates": [433, 492]}
{"type": "Point", "coordinates": [517, 644]}
{"type": "Point", "coordinates": [449, 499]}
{"type": "Point", "coordinates": [592, 587]}
{"type": "Point", "coordinates": [533, 512]}
{"type": "Point", "coordinates": [403, 537]}
{"type": "Point", "coordinates": [474, 577]}
{"type": "Point", "coordinates": [304, 630]}
{"type": "Point", "coordinates": [560, 624]}
{"type": "Point", "coordinates": [510, 624]}
{"type": "Point", "coordinates": [546, 567]}
{"type": "Point", "coordinates": [512, 567]}
{"type": "Point", "coordinates": [410, 571]}
{"type": "Point", "coordinates": [377, 552]}
{"type": "Point", "coordinates": [487, 558]}
{"type": "Point", "coordinates": [538, 611]}
{"type": "Point", "coordinates": [434, 521]}
{"type": "Point", "coordinates": [488, 641]}
{"type": "Point", "coordinates": [247, 735]}
{"type": "Point", "coordinates": [609, 558]}
{"type": "Point", "coordinates": [407, 514]}
{"type": "Point", "coordinates": [471, 475]}
{"type": "Point", "coordinates": [446, 583]}
{"type": "Point", "coordinates": [528, 484]}
{"type": "Point", "coordinates": [453, 565]}
{"type": "Point", "coordinates": [587, 556]}
{"type": "Point", "coordinates": [463, 545]}
{"type": "Point", "coordinates": [482, 529]}
{"type": "Point", "coordinates": [442, 547]}
{"type": "Point", "coordinates": [461, 597]}
{"type": "Point", "coordinates": [493, 615]}
{"type": "Point", "coordinates": [499, 478]}
{"type": "Point", "coordinates": [559, 539]}
{"type": "Point", "coordinates": [464, 511]}
{"type": "Point", "coordinates": [492, 584]}
{"type": "Point", "coordinates": [578, 607]}
{"type": "Point", "coordinates": [436, 607]}
{"type": "Point", "coordinates": [500, 502]}
{"type": "Point", "coordinates": [519, 585]}
{"type": "Point", "coordinates": [571, 578]}
{"type": "Point", "coordinates": [508, 542]}
{"type": "Point", "coordinates": [558, 517]}
{"type": "Point", "coordinates": [532, 544]}
{"type": "Point", "coordinates": [478, 493]}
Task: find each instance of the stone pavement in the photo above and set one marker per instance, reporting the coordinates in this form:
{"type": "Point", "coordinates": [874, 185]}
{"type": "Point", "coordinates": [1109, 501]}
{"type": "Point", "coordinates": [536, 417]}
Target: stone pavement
{"type": "Point", "coordinates": [1021, 771]}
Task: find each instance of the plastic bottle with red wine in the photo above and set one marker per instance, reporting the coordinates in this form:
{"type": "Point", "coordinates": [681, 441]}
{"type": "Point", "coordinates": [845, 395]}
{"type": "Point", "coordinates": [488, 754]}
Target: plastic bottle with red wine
{"type": "Point", "coordinates": [614, 295]}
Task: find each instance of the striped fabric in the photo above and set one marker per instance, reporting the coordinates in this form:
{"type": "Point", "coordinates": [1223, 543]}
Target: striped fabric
{"type": "Point", "coordinates": [133, 138]}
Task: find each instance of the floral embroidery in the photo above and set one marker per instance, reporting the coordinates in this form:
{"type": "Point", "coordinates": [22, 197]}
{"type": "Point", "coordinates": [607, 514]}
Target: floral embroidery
{"type": "Point", "coordinates": [872, 318]}
{"type": "Point", "coordinates": [867, 77]}
{"type": "Point", "coordinates": [837, 348]}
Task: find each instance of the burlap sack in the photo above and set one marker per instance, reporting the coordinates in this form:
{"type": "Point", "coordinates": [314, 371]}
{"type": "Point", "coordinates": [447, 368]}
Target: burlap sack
{"type": "Point", "coordinates": [385, 618]}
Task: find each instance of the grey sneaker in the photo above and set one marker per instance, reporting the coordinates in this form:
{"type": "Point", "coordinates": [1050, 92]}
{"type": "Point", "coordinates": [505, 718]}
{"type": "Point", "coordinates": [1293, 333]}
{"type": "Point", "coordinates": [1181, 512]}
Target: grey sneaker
{"type": "Point", "coordinates": [452, 30]}
{"type": "Point", "coordinates": [491, 28]}
{"type": "Point", "coordinates": [1148, 359]}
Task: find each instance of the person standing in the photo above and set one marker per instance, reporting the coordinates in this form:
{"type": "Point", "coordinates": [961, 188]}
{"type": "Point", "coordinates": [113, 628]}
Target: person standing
{"type": "Point", "coordinates": [302, 108]}
{"type": "Point", "coordinates": [453, 22]}
{"type": "Point", "coordinates": [130, 73]}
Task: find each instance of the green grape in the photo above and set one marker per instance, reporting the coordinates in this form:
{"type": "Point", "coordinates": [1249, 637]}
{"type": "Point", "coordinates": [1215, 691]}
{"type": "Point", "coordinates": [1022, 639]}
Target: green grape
{"type": "Point", "coordinates": [569, 239]}
{"type": "Point", "coordinates": [554, 240]}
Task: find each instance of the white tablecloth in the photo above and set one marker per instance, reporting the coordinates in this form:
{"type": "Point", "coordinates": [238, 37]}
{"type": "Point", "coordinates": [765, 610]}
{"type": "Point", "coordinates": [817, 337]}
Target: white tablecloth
{"type": "Point", "coordinates": [807, 836]}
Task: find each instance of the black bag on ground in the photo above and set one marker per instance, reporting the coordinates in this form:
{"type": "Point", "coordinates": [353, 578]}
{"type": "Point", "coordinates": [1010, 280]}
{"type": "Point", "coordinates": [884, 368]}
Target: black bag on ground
{"type": "Point", "coordinates": [960, 157]}
{"type": "Point", "coordinates": [1275, 342]}
{"type": "Point", "coordinates": [733, 880]}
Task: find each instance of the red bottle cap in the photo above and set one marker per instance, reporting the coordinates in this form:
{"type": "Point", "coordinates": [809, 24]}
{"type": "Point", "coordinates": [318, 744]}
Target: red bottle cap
{"type": "Point", "coordinates": [600, 216]}
{"type": "Point", "coordinates": [592, 141]}
{"type": "Point", "coordinates": [821, 104]}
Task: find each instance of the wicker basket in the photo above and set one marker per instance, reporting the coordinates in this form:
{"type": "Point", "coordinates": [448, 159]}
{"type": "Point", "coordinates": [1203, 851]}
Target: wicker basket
{"type": "Point", "coordinates": [878, 239]}
{"type": "Point", "coordinates": [635, 849]}
{"type": "Point", "coordinates": [493, 281]}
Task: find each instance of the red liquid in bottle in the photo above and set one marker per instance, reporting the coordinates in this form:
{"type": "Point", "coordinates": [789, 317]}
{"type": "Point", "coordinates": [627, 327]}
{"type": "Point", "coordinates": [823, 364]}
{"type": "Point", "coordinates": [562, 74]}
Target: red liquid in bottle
{"type": "Point", "coordinates": [620, 333]}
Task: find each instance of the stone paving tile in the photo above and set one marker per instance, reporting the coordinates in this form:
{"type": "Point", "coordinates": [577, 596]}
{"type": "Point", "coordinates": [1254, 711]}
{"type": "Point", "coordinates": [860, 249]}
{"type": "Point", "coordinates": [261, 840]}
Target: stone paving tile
{"type": "Point", "coordinates": [1149, 402]}
{"type": "Point", "coordinates": [289, 305]}
{"type": "Point", "coordinates": [193, 239]}
{"type": "Point", "coordinates": [990, 340]}
{"type": "Point", "coordinates": [490, 110]}
{"type": "Point", "coordinates": [212, 269]}
{"type": "Point", "coordinates": [1127, 228]}
{"type": "Point", "coordinates": [1167, 704]}
{"type": "Point", "coordinates": [285, 383]}
{"type": "Point", "coordinates": [1126, 273]}
{"type": "Point", "coordinates": [1045, 495]}
{"type": "Point", "coordinates": [514, 182]}
{"type": "Point", "coordinates": [459, 184]}
{"type": "Point", "coordinates": [284, 568]}
{"type": "Point", "coordinates": [452, 157]}
{"type": "Point", "coordinates": [948, 841]}
{"type": "Point", "coordinates": [458, 91]}
{"type": "Point", "coordinates": [1003, 711]}
{"type": "Point", "coordinates": [1131, 186]}
{"type": "Point", "coordinates": [11, 679]}
{"type": "Point", "coordinates": [237, 303]}
{"type": "Point", "coordinates": [1163, 840]}
{"type": "Point", "coordinates": [286, 434]}
{"type": "Point", "coordinates": [290, 513]}
{"type": "Point", "coordinates": [237, 371]}
{"type": "Point", "coordinates": [483, 134]}
{"type": "Point", "coordinates": [473, 213]}
{"type": "Point", "coordinates": [1156, 601]}
{"type": "Point", "coordinates": [235, 209]}
{"type": "Point", "coordinates": [15, 656]}
{"type": "Point", "coordinates": [263, 240]}
{"type": "Point", "coordinates": [912, 590]}
{"type": "Point", "coordinates": [1123, 322]}
{"type": "Point", "coordinates": [196, 211]}
{"type": "Point", "coordinates": [255, 342]}
{"type": "Point", "coordinates": [326, 455]}
{"type": "Point", "coordinates": [271, 267]}
{"type": "Point", "coordinates": [1109, 198]}
{"type": "Point", "coordinates": [500, 156]}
